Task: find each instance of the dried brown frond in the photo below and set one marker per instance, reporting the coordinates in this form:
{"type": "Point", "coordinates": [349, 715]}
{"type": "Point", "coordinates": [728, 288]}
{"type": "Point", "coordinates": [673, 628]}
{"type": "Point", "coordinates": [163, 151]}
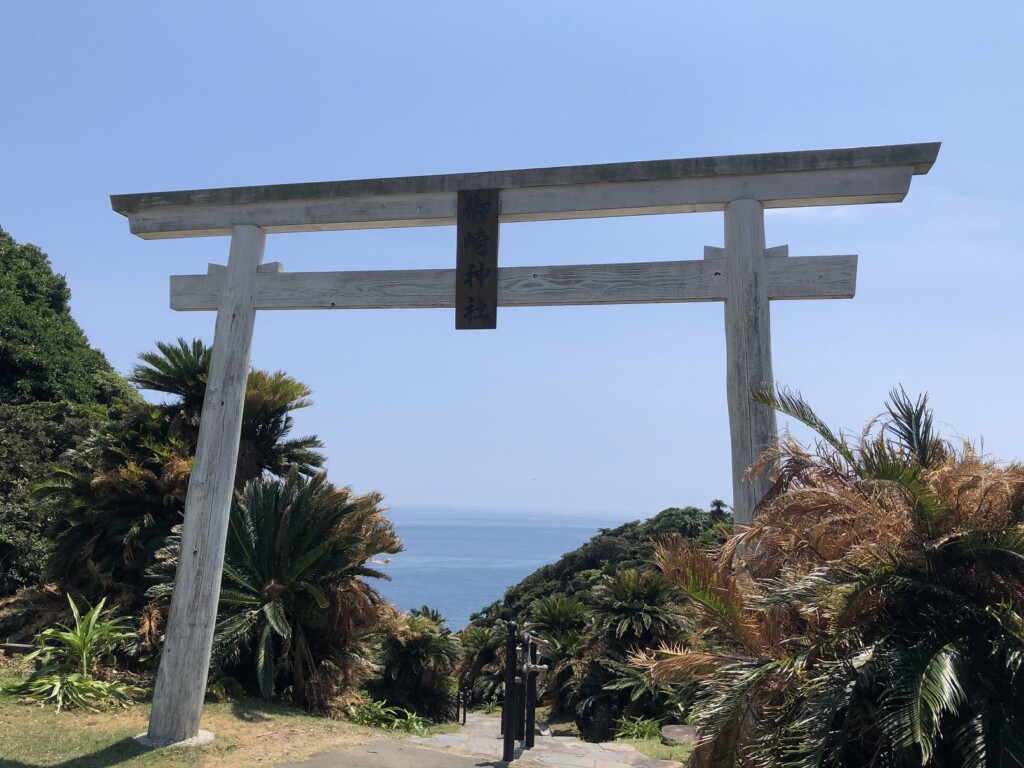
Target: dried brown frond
{"type": "Point", "coordinates": [791, 463]}
{"type": "Point", "coordinates": [717, 595]}
{"type": "Point", "coordinates": [174, 479]}
{"type": "Point", "coordinates": [152, 620]}
{"type": "Point", "coordinates": [982, 494]}
{"type": "Point", "coordinates": [806, 527]}
{"type": "Point", "coordinates": [676, 663]}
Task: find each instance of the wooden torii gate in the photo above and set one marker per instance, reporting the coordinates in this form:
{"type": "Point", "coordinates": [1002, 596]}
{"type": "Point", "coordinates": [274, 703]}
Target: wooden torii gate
{"type": "Point", "coordinates": [744, 274]}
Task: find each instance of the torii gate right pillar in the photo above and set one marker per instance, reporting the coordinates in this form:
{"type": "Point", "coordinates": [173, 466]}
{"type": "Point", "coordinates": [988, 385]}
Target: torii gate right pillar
{"type": "Point", "coordinates": [748, 351]}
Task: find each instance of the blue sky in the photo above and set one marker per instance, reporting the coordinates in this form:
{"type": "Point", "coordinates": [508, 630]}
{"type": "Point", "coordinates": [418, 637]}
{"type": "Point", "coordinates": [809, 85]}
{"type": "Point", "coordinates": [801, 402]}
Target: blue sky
{"type": "Point", "coordinates": [588, 408]}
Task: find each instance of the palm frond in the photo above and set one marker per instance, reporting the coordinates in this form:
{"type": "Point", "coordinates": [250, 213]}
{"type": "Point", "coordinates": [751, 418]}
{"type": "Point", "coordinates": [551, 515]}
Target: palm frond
{"type": "Point", "coordinates": [265, 661]}
{"type": "Point", "coordinates": [928, 687]}
{"type": "Point", "coordinates": [276, 618]}
{"type": "Point", "coordinates": [911, 424]}
{"type": "Point", "coordinates": [792, 404]}
{"type": "Point", "coordinates": [676, 664]}
{"type": "Point", "coordinates": [730, 713]}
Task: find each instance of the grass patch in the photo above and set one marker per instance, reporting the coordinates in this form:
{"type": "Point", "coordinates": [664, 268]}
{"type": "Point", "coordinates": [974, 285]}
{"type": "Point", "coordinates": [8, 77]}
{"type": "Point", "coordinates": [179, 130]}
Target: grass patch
{"type": "Point", "coordinates": [248, 733]}
{"type": "Point", "coordinates": [435, 730]}
{"type": "Point", "coordinates": [655, 749]}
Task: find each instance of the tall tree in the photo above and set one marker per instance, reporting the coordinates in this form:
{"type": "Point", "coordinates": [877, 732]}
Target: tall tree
{"type": "Point", "coordinates": [32, 437]}
{"type": "Point", "coordinates": [54, 391]}
{"type": "Point", "coordinates": [44, 355]}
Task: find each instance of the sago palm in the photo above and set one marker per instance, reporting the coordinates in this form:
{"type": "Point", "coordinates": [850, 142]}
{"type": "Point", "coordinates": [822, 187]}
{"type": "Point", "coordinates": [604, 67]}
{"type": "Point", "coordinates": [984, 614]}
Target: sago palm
{"type": "Point", "coordinates": [120, 495]}
{"type": "Point", "coordinates": [180, 369]}
{"type": "Point", "coordinates": [124, 490]}
{"type": "Point", "coordinates": [417, 660]}
{"type": "Point", "coordinates": [555, 616]}
{"type": "Point", "coordinates": [874, 618]}
{"type": "Point", "coordinates": [630, 609]}
{"type": "Point", "coordinates": [481, 660]}
{"type": "Point", "coordinates": [294, 601]}
{"type": "Point", "coordinates": [634, 609]}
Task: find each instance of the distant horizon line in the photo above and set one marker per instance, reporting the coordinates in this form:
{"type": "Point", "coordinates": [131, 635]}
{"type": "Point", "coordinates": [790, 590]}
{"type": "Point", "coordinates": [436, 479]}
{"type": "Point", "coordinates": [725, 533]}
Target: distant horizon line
{"type": "Point", "coordinates": [438, 507]}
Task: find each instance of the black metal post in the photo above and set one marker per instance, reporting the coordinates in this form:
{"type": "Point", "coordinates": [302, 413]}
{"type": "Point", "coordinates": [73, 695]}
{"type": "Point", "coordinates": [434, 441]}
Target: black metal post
{"type": "Point", "coordinates": [531, 697]}
{"type": "Point", "coordinates": [508, 710]}
{"type": "Point", "coordinates": [521, 706]}
{"type": "Point", "coordinates": [466, 696]}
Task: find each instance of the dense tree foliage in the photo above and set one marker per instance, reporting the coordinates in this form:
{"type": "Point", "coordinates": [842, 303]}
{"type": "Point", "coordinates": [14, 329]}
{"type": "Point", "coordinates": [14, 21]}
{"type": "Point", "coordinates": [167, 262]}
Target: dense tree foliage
{"type": "Point", "coordinates": [124, 490]}
{"type": "Point", "coordinates": [32, 437]}
{"type": "Point", "coordinates": [577, 572]}
{"type": "Point", "coordinates": [54, 391]}
{"type": "Point", "coordinates": [44, 356]}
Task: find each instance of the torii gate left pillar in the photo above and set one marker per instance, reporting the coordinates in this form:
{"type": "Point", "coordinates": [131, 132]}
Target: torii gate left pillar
{"type": "Point", "coordinates": [745, 275]}
{"type": "Point", "coordinates": [182, 675]}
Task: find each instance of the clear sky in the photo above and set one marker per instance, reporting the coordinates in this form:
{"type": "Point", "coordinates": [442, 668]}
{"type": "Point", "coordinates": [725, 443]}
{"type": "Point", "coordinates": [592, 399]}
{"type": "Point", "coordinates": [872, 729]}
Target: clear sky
{"type": "Point", "coordinates": [586, 408]}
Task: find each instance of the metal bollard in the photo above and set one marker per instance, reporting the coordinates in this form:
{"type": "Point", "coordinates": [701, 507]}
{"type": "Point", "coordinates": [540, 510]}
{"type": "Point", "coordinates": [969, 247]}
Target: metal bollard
{"type": "Point", "coordinates": [531, 696]}
{"type": "Point", "coordinates": [508, 710]}
{"type": "Point", "coordinates": [530, 670]}
{"type": "Point", "coordinates": [521, 708]}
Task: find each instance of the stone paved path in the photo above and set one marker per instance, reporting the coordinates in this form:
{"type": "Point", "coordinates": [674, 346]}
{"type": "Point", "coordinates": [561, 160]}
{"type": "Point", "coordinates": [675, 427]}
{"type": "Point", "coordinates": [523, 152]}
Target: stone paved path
{"type": "Point", "coordinates": [478, 745]}
{"type": "Point", "coordinates": [480, 736]}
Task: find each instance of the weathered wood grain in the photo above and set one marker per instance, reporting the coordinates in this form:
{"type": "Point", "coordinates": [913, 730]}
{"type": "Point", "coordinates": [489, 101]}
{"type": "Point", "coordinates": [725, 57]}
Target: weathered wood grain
{"type": "Point", "coordinates": [919, 157]}
{"type": "Point", "coordinates": [748, 350]}
{"type": "Point", "coordinates": [184, 663]}
{"type": "Point", "coordinates": [779, 179]}
{"type": "Point", "coordinates": [804, 277]}
{"type": "Point", "coordinates": [687, 195]}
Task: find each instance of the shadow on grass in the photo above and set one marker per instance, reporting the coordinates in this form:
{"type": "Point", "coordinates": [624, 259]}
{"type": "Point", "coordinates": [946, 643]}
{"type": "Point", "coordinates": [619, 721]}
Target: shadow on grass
{"type": "Point", "coordinates": [256, 711]}
{"type": "Point", "coordinates": [118, 752]}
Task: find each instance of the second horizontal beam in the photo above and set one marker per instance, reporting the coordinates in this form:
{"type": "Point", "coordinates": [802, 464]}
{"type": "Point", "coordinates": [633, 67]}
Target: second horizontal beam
{"type": "Point", "coordinates": [808, 277]}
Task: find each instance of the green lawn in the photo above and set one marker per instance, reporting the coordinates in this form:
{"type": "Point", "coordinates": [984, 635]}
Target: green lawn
{"type": "Point", "coordinates": [248, 733]}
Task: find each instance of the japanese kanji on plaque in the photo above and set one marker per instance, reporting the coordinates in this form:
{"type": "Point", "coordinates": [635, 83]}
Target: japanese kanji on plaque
{"type": "Point", "coordinates": [476, 262]}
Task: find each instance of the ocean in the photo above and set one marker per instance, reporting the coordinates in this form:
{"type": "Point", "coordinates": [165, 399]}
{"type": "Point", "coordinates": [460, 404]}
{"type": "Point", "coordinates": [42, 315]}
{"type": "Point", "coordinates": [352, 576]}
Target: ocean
{"type": "Point", "coordinates": [460, 560]}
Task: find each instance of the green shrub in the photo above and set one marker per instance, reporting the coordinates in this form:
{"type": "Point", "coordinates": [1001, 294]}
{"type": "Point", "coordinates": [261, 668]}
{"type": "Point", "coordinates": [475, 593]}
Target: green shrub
{"type": "Point", "coordinates": [74, 689]}
{"type": "Point", "coordinates": [417, 661]}
{"type": "Point", "coordinates": [638, 728]}
{"type": "Point", "coordinates": [490, 706]}
{"type": "Point", "coordinates": [375, 714]}
{"type": "Point", "coordinates": [412, 723]}
{"type": "Point", "coordinates": [70, 656]}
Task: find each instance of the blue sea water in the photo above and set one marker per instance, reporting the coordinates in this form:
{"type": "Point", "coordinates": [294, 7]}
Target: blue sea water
{"type": "Point", "coordinates": [460, 560]}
